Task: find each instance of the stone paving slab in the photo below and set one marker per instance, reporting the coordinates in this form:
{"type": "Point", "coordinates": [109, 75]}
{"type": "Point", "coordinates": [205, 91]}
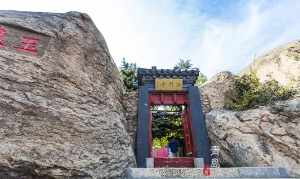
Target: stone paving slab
{"type": "Point", "coordinates": [239, 172]}
{"type": "Point", "coordinates": [256, 172]}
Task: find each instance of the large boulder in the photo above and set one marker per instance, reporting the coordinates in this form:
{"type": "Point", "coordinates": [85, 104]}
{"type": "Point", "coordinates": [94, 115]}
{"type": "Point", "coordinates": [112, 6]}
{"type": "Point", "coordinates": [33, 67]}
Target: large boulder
{"type": "Point", "coordinates": [281, 64]}
{"type": "Point", "coordinates": [130, 102]}
{"type": "Point", "coordinates": [216, 89]}
{"type": "Point", "coordinates": [60, 99]}
{"type": "Point", "coordinates": [269, 135]}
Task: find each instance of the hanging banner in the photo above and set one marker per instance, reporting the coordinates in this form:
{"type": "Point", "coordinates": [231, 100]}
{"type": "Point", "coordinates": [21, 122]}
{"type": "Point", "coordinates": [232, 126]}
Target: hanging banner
{"type": "Point", "coordinates": [165, 84]}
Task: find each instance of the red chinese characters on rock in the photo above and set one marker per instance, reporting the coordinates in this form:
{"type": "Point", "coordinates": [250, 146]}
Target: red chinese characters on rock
{"type": "Point", "coordinates": [2, 36]}
{"type": "Point", "coordinates": [28, 45]}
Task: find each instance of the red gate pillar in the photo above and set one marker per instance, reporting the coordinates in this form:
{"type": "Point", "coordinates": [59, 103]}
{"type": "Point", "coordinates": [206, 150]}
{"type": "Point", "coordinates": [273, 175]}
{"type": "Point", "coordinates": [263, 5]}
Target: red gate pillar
{"type": "Point", "coordinates": [188, 146]}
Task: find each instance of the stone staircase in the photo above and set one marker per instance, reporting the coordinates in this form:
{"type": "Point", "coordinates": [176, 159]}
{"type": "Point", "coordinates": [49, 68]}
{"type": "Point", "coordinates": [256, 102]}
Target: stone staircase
{"type": "Point", "coordinates": [216, 173]}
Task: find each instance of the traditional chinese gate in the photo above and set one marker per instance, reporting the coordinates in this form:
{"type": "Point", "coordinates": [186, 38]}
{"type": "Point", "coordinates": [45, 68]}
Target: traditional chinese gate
{"type": "Point", "coordinates": [171, 87]}
{"type": "Point", "coordinates": [173, 98]}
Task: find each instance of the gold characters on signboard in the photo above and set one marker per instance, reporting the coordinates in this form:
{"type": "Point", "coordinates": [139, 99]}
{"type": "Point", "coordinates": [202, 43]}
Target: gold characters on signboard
{"type": "Point", "coordinates": [164, 84]}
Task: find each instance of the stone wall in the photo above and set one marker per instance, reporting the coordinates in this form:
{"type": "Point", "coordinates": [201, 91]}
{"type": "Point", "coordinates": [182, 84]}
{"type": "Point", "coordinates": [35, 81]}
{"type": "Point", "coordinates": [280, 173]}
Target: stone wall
{"type": "Point", "coordinates": [206, 107]}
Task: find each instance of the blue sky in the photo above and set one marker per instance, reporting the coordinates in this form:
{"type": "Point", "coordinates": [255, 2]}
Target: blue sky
{"type": "Point", "coordinates": [216, 35]}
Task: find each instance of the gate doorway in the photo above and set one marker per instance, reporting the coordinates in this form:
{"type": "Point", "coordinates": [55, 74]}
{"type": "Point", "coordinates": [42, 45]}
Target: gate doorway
{"type": "Point", "coordinates": [158, 91]}
{"type": "Point", "coordinates": [170, 130]}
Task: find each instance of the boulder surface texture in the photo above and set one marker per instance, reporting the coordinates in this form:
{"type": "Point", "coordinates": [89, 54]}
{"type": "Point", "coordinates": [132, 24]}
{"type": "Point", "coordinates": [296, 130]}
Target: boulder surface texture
{"type": "Point", "coordinates": [216, 89]}
{"type": "Point", "coordinates": [60, 99]}
{"type": "Point", "coordinates": [266, 136]}
{"type": "Point", "coordinates": [281, 64]}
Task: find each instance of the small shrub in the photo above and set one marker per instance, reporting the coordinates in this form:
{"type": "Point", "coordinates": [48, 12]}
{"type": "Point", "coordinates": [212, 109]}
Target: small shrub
{"type": "Point", "coordinates": [201, 79]}
{"type": "Point", "coordinates": [158, 143]}
{"type": "Point", "coordinates": [250, 93]}
{"type": "Point", "coordinates": [128, 72]}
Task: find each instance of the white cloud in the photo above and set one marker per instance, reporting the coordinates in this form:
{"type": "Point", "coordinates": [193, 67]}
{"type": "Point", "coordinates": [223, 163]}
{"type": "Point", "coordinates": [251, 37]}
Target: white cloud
{"type": "Point", "coordinates": [160, 32]}
{"type": "Point", "coordinates": [230, 45]}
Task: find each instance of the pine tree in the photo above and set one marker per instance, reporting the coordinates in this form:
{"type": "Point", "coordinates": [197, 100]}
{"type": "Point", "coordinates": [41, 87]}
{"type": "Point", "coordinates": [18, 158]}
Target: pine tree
{"type": "Point", "coordinates": [183, 64]}
{"type": "Point", "coordinates": [186, 65]}
{"type": "Point", "coordinates": [128, 73]}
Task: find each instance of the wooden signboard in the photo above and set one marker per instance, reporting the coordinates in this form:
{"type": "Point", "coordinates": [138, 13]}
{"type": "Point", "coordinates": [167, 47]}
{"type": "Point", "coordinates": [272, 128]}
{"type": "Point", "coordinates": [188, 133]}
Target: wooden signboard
{"type": "Point", "coordinates": [164, 84]}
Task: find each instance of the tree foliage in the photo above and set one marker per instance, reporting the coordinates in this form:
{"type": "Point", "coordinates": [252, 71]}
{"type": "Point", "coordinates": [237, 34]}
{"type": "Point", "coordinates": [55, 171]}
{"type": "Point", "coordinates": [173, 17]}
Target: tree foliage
{"type": "Point", "coordinates": [160, 142]}
{"type": "Point", "coordinates": [128, 73]}
{"type": "Point", "coordinates": [201, 79]}
{"type": "Point", "coordinates": [186, 65]}
{"type": "Point", "coordinates": [166, 123]}
{"type": "Point", "coordinates": [183, 64]}
{"type": "Point", "coordinates": [249, 93]}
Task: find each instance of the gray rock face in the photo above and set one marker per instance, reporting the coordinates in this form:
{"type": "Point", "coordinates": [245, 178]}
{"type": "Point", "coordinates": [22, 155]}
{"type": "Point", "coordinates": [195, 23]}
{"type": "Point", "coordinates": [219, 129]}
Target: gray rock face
{"type": "Point", "coordinates": [215, 90]}
{"type": "Point", "coordinates": [258, 137]}
{"type": "Point", "coordinates": [130, 101]}
{"type": "Point", "coordinates": [281, 64]}
{"type": "Point", "coordinates": [60, 99]}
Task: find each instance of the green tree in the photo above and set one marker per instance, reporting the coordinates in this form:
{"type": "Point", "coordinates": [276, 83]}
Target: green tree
{"type": "Point", "coordinates": [249, 93]}
{"type": "Point", "coordinates": [166, 122]}
{"type": "Point", "coordinates": [128, 73]}
{"type": "Point", "coordinates": [201, 79]}
{"type": "Point", "coordinates": [186, 65]}
{"type": "Point", "coordinates": [183, 64]}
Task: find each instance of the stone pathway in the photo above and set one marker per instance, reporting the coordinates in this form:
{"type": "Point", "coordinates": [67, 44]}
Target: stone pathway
{"type": "Point", "coordinates": [217, 173]}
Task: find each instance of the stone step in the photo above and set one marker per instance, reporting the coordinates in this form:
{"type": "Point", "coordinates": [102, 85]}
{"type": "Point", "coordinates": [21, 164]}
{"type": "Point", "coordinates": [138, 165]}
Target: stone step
{"type": "Point", "coordinates": [217, 173]}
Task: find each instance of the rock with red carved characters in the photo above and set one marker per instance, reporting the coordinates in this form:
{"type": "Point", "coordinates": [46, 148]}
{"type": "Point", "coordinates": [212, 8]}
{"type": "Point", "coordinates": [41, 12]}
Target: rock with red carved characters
{"type": "Point", "coordinates": [60, 99]}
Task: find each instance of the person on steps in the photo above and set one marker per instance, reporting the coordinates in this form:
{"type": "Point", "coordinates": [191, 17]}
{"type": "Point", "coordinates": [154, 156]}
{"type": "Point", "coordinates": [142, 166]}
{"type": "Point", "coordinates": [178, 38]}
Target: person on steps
{"type": "Point", "coordinates": [173, 147]}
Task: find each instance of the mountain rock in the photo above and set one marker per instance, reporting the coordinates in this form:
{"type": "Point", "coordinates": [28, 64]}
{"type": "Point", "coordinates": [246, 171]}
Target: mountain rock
{"type": "Point", "coordinates": [214, 91]}
{"type": "Point", "coordinates": [60, 99]}
{"type": "Point", "coordinates": [266, 136]}
{"type": "Point", "coordinates": [281, 64]}
{"type": "Point", "coordinates": [130, 102]}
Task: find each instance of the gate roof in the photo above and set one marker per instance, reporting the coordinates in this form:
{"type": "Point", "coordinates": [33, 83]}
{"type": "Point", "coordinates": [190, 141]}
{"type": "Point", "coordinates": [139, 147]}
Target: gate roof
{"type": "Point", "coordinates": [147, 76]}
